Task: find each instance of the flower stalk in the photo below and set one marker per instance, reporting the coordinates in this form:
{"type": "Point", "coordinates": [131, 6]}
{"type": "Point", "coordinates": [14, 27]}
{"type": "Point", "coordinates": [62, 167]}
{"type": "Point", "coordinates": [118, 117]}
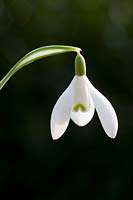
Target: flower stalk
{"type": "Point", "coordinates": [37, 54]}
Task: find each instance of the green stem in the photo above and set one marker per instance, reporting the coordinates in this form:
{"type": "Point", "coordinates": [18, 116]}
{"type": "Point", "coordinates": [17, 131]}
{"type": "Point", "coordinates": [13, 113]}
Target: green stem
{"type": "Point", "coordinates": [37, 54]}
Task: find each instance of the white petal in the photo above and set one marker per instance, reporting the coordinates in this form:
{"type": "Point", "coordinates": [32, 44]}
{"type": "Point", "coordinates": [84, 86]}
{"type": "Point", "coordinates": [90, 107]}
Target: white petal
{"type": "Point", "coordinates": [61, 113]}
{"type": "Point", "coordinates": [106, 112]}
{"type": "Point", "coordinates": [82, 118]}
{"type": "Point", "coordinates": [80, 92]}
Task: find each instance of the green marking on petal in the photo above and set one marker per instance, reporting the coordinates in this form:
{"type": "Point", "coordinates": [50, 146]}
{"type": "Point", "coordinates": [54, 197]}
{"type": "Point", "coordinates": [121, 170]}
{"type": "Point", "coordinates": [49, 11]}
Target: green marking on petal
{"type": "Point", "coordinates": [79, 107]}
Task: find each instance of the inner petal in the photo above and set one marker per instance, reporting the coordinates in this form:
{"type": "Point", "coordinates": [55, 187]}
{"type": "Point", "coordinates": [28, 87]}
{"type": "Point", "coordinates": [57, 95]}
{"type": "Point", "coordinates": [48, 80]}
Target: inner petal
{"type": "Point", "coordinates": [81, 100]}
{"type": "Point", "coordinates": [82, 104]}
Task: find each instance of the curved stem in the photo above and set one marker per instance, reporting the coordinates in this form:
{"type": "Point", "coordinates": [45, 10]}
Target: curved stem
{"type": "Point", "coordinates": [37, 54]}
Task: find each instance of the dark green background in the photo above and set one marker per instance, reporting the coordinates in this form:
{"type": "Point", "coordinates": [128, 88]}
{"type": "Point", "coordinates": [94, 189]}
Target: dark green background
{"type": "Point", "coordinates": [84, 163]}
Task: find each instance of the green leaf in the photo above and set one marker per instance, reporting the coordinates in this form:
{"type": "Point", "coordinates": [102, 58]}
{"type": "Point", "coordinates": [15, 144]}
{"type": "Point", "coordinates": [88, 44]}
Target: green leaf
{"type": "Point", "coordinates": [37, 54]}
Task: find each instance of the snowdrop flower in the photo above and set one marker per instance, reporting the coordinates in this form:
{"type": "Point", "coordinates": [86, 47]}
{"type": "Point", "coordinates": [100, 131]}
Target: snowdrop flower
{"type": "Point", "coordinates": [78, 102]}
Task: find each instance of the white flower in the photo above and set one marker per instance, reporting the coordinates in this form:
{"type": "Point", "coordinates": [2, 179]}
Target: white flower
{"type": "Point", "coordinates": [78, 102]}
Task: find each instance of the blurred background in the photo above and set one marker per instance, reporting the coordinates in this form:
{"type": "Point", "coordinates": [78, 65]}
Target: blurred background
{"type": "Point", "coordinates": [84, 163]}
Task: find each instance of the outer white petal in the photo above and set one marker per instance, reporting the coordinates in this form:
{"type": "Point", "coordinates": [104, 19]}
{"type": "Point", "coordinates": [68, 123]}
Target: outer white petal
{"type": "Point", "coordinates": [106, 112]}
{"type": "Point", "coordinates": [82, 95]}
{"type": "Point", "coordinates": [61, 113]}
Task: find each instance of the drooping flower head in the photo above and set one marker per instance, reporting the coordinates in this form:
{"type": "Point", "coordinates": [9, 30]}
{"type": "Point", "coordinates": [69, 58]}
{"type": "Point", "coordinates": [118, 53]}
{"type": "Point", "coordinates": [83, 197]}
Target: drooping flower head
{"type": "Point", "coordinates": [79, 101]}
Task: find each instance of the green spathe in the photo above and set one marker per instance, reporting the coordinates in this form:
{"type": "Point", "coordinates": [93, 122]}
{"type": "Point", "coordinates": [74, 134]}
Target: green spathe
{"type": "Point", "coordinates": [37, 54]}
{"type": "Point", "coordinates": [80, 65]}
